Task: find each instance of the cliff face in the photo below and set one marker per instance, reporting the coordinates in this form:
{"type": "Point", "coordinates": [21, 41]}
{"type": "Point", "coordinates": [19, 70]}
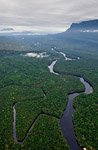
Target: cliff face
{"type": "Point", "coordinates": [82, 35]}
{"type": "Point", "coordinates": [85, 26]}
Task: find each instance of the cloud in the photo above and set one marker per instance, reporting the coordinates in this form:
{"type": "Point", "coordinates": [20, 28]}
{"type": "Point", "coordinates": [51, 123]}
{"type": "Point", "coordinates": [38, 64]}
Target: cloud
{"type": "Point", "coordinates": [7, 29]}
{"type": "Point", "coordinates": [46, 15]}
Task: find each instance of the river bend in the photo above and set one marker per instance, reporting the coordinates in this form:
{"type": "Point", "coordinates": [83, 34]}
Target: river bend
{"type": "Point", "coordinates": [66, 121]}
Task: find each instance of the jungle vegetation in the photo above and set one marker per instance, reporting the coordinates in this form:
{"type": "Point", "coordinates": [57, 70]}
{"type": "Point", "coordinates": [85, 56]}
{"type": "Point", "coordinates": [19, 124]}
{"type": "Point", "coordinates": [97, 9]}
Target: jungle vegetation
{"type": "Point", "coordinates": [28, 82]}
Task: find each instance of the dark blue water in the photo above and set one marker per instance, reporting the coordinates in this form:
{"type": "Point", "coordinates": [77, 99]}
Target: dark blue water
{"type": "Point", "coordinates": [66, 122]}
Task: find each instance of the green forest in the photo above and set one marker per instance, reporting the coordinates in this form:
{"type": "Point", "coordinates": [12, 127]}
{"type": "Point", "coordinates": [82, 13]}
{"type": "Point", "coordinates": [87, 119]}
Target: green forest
{"type": "Point", "coordinates": [41, 97]}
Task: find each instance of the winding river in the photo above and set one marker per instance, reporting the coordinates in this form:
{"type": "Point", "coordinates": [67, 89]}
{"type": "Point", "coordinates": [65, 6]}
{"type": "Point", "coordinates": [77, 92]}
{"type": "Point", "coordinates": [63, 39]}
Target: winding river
{"type": "Point", "coordinates": [66, 121]}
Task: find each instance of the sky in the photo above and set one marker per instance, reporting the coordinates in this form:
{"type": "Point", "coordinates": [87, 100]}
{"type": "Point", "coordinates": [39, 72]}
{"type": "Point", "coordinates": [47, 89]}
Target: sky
{"type": "Point", "coordinates": [45, 16]}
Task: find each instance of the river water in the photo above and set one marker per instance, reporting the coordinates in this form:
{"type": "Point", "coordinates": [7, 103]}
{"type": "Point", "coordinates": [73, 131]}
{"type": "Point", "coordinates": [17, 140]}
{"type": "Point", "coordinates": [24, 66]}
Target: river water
{"type": "Point", "coordinates": [66, 121]}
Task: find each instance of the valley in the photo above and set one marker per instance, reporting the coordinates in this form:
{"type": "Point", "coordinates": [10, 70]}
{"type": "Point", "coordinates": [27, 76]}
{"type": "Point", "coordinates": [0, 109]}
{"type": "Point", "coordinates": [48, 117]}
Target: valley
{"type": "Point", "coordinates": [49, 92]}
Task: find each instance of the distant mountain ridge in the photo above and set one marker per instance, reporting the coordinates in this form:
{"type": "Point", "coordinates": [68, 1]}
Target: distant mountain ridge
{"type": "Point", "coordinates": [81, 35]}
{"type": "Point", "coordinates": [91, 25]}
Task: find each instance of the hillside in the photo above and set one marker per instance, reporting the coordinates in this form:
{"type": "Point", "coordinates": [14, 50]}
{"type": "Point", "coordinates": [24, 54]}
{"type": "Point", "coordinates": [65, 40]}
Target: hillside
{"type": "Point", "coordinates": [81, 35]}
